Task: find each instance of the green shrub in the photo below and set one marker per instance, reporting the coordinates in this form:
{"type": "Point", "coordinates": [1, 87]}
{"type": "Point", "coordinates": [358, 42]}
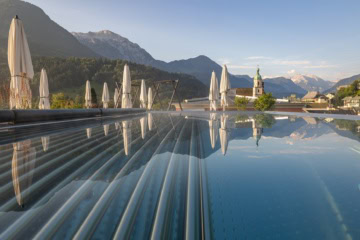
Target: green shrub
{"type": "Point", "coordinates": [264, 102]}
{"type": "Point", "coordinates": [241, 103]}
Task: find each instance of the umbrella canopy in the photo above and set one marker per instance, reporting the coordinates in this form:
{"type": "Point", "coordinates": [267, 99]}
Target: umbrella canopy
{"type": "Point", "coordinates": [214, 91]}
{"type": "Point", "coordinates": [116, 98]}
{"type": "Point", "coordinates": [88, 133]}
{"type": "Point", "coordinates": [126, 88]}
{"type": "Point", "coordinates": [88, 94]}
{"type": "Point", "coordinates": [150, 99]}
{"type": "Point", "coordinates": [23, 163]}
{"type": "Point", "coordinates": [127, 136]}
{"type": "Point", "coordinates": [224, 87]}
{"type": "Point", "coordinates": [20, 66]}
{"type": "Point", "coordinates": [45, 142]}
{"type": "Point", "coordinates": [224, 134]}
{"type": "Point", "coordinates": [143, 123]}
{"type": "Point", "coordinates": [143, 94]}
{"type": "Point", "coordinates": [105, 96]}
{"type": "Point", "coordinates": [44, 91]}
{"type": "Point", "coordinates": [214, 129]}
{"type": "Point", "coordinates": [150, 121]}
{"type": "Point", "coordinates": [106, 129]}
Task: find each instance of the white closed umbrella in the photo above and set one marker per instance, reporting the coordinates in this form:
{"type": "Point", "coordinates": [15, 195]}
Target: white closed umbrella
{"type": "Point", "coordinates": [143, 123]}
{"type": "Point", "coordinates": [88, 94]}
{"type": "Point", "coordinates": [44, 91]}
{"type": "Point", "coordinates": [45, 143]}
{"type": "Point", "coordinates": [214, 129]}
{"type": "Point", "coordinates": [143, 94]}
{"type": "Point", "coordinates": [23, 163]}
{"type": "Point", "coordinates": [224, 87]}
{"type": "Point", "coordinates": [105, 96]}
{"type": "Point", "coordinates": [150, 99]}
{"type": "Point", "coordinates": [126, 88]}
{"type": "Point", "coordinates": [150, 121]}
{"type": "Point", "coordinates": [116, 98]}
{"type": "Point", "coordinates": [224, 134]}
{"type": "Point", "coordinates": [214, 91]}
{"type": "Point", "coordinates": [126, 125]}
{"type": "Point", "coordinates": [20, 66]}
{"type": "Point", "coordinates": [106, 129]}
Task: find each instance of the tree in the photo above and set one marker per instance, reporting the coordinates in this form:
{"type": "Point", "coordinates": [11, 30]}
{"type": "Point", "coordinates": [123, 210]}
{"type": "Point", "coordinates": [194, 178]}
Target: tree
{"type": "Point", "coordinates": [265, 120]}
{"type": "Point", "coordinates": [264, 102]}
{"type": "Point", "coordinates": [58, 101]}
{"type": "Point", "coordinates": [241, 103]}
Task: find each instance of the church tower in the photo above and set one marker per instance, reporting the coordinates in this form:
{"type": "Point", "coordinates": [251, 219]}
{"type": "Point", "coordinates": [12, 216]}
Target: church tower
{"type": "Point", "coordinates": [258, 89]}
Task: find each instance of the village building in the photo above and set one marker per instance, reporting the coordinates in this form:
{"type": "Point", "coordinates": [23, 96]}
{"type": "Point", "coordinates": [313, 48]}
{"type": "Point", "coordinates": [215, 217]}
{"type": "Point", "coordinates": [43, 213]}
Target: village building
{"type": "Point", "coordinates": [256, 91]}
{"type": "Point", "coordinates": [352, 102]}
{"type": "Point", "coordinates": [314, 97]}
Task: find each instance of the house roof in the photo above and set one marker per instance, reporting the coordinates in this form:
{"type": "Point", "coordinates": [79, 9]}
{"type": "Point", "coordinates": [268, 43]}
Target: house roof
{"type": "Point", "coordinates": [244, 91]}
{"type": "Point", "coordinates": [311, 95]}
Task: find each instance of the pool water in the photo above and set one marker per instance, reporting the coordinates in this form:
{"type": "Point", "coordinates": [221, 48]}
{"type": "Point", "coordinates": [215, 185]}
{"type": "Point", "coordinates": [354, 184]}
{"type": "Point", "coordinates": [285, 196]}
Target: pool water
{"type": "Point", "coordinates": [176, 176]}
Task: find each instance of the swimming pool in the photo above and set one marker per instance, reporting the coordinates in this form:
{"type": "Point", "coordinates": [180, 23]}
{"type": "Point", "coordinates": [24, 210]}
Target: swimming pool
{"type": "Point", "coordinates": [176, 176]}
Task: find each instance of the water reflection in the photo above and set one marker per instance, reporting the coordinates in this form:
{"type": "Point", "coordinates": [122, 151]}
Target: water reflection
{"type": "Point", "coordinates": [171, 181]}
{"type": "Point", "coordinates": [23, 163]}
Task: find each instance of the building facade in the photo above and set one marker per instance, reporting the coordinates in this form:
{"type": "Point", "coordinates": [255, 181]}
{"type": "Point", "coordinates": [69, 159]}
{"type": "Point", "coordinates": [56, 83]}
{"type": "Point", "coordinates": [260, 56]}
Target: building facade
{"type": "Point", "coordinates": [258, 88]}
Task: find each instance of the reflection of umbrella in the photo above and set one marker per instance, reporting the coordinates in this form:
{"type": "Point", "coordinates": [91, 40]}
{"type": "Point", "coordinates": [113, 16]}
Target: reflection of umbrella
{"type": "Point", "coordinates": [45, 143]}
{"type": "Point", "coordinates": [224, 87]}
{"type": "Point", "coordinates": [126, 88]}
{"type": "Point", "coordinates": [117, 125]}
{"type": "Point", "coordinates": [143, 123]}
{"type": "Point", "coordinates": [116, 98]}
{"type": "Point", "coordinates": [20, 65]}
{"type": "Point", "coordinates": [88, 132]}
{"type": "Point", "coordinates": [214, 128]}
{"type": "Point", "coordinates": [44, 91]}
{"type": "Point", "coordinates": [106, 129]}
{"type": "Point", "coordinates": [150, 121]}
{"type": "Point", "coordinates": [23, 163]}
{"type": "Point", "coordinates": [143, 95]}
{"type": "Point", "coordinates": [127, 136]}
{"type": "Point", "coordinates": [224, 134]}
{"type": "Point", "coordinates": [150, 99]}
{"type": "Point", "coordinates": [88, 95]}
{"type": "Point", "coordinates": [105, 96]}
{"type": "Point", "coordinates": [214, 92]}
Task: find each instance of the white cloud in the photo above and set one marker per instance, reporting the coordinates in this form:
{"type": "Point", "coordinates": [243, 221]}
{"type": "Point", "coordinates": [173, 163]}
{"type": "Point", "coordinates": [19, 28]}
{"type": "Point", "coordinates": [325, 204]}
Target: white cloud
{"type": "Point", "coordinates": [258, 58]}
{"type": "Point", "coordinates": [320, 66]}
{"type": "Point", "coordinates": [223, 61]}
{"type": "Point", "coordinates": [241, 67]}
{"type": "Point", "coordinates": [290, 62]}
{"type": "Point", "coordinates": [291, 72]}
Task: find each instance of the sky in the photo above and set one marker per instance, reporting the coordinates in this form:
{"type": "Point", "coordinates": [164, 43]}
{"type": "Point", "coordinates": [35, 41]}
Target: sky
{"type": "Point", "coordinates": [283, 37]}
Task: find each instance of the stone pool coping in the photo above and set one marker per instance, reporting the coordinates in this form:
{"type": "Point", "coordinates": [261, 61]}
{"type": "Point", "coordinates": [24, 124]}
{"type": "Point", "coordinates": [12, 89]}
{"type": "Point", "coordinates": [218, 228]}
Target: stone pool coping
{"type": "Point", "coordinates": [26, 116]}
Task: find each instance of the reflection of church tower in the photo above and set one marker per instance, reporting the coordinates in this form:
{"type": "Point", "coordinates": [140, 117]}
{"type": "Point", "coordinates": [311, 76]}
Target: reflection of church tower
{"type": "Point", "coordinates": [257, 131]}
{"type": "Point", "coordinates": [258, 89]}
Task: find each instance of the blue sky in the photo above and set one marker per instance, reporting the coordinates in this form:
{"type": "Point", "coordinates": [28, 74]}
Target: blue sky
{"type": "Point", "coordinates": [283, 37]}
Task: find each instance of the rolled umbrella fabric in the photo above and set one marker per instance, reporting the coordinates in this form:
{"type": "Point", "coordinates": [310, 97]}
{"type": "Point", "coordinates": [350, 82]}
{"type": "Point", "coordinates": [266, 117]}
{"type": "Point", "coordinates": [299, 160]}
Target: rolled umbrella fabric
{"type": "Point", "coordinates": [214, 129]}
{"type": "Point", "coordinates": [116, 98]}
{"type": "Point", "coordinates": [20, 66]}
{"type": "Point", "coordinates": [224, 134]}
{"type": "Point", "coordinates": [44, 91]}
{"type": "Point", "coordinates": [150, 99]}
{"type": "Point", "coordinates": [45, 143]}
{"type": "Point", "coordinates": [126, 125]}
{"type": "Point", "coordinates": [23, 163]}
{"type": "Point", "coordinates": [224, 87]}
{"type": "Point", "coordinates": [143, 95]}
{"type": "Point", "coordinates": [88, 94]}
{"type": "Point", "coordinates": [214, 91]}
{"type": "Point", "coordinates": [143, 123]}
{"type": "Point", "coordinates": [126, 88]}
{"type": "Point", "coordinates": [105, 96]}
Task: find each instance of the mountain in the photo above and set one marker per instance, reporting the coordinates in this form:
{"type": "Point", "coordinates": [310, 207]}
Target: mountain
{"type": "Point", "coordinates": [345, 81]}
{"type": "Point", "coordinates": [283, 87]}
{"type": "Point", "coordinates": [114, 46]}
{"type": "Point", "coordinates": [45, 37]}
{"type": "Point", "coordinates": [311, 82]}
